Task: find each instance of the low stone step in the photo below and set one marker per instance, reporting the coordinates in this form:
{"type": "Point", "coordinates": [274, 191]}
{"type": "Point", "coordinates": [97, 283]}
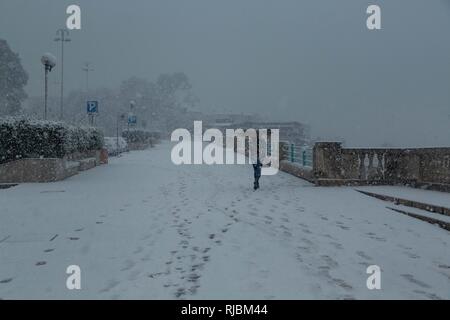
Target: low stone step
{"type": "Point", "coordinates": [409, 203]}
{"type": "Point", "coordinates": [442, 224]}
{"type": "Point", "coordinates": [7, 185]}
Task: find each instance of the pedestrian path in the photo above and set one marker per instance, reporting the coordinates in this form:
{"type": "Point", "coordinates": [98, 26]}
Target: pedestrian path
{"type": "Point", "coordinates": [142, 227]}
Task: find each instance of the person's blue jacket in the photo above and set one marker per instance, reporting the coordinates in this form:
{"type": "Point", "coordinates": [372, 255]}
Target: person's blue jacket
{"type": "Point", "coordinates": [257, 168]}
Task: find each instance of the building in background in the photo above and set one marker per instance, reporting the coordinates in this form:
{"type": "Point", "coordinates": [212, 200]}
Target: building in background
{"type": "Point", "coordinates": [292, 132]}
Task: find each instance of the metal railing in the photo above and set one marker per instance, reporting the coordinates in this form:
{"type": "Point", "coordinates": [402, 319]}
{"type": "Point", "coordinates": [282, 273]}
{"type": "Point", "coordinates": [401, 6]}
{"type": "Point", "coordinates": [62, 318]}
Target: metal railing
{"type": "Point", "coordinates": [301, 155]}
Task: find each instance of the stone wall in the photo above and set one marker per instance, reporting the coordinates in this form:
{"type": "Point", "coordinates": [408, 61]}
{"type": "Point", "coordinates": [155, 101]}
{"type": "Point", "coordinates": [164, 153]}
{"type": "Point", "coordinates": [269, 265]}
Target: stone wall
{"type": "Point", "coordinates": [419, 167]}
{"type": "Point", "coordinates": [84, 155]}
{"type": "Point", "coordinates": [34, 170]}
{"type": "Point", "coordinates": [48, 169]}
{"type": "Point", "coordinates": [297, 170]}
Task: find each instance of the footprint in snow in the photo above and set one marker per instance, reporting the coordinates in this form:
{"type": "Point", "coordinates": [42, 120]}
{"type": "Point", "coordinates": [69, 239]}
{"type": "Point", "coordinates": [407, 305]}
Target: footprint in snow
{"type": "Point", "coordinates": [411, 279]}
{"type": "Point", "coordinates": [363, 255]}
{"type": "Point", "coordinates": [128, 265]}
{"type": "Point", "coordinates": [6, 280]}
{"type": "Point", "coordinates": [138, 250]}
{"type": "Point", "coordinates": [111, 284]}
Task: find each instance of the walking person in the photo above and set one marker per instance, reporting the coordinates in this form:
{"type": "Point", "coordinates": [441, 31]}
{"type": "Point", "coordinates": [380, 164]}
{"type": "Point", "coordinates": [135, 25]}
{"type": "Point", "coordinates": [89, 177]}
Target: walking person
{"type": "Point", "coordinates": [257, 166]}
{"type": "Point", "coordinates": [257, 173]}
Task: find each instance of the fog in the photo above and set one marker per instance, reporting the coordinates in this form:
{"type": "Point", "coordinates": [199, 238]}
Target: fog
{"type": "Point", "coordinates": [311, 61]}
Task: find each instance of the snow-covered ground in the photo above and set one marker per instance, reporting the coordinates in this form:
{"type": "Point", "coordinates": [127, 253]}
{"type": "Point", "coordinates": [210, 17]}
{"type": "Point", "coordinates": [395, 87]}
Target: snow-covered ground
{"type": "Point", "coordinates": [142, 227]}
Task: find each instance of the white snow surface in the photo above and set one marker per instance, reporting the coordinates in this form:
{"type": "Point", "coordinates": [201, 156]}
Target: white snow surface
{"type": "Point", "coordinates": [143, 228]}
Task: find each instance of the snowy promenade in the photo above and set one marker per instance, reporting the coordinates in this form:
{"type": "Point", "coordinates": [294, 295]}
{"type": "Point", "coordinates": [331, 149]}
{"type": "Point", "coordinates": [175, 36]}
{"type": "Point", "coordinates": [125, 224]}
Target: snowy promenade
{"type": "Point", "coordinates": [142, 227]}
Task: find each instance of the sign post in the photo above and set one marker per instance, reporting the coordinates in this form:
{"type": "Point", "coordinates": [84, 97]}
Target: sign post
{"type": "Point", "coordinates": [92, 110]}
{"type": "Point", "coordinates": [132, 119]}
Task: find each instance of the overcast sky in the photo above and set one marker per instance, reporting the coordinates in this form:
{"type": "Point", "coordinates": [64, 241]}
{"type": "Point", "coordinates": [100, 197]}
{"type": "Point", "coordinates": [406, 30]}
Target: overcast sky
{"type": "Point", "coordinates": [313, 61]}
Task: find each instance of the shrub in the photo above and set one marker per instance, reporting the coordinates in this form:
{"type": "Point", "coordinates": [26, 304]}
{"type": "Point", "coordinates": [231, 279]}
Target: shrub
{"type": "Point", "coordinates": [115, 146]}
{"type": "Point", "coordinates": [137, 136]}
{"type": "Point", "coordinates": [25, 138]}
{"type": "Point", "coordinates": [82, 139]}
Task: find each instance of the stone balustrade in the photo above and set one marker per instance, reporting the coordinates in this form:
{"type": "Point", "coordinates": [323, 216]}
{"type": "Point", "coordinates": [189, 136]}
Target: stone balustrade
{"type": "Point", "coordinates": [419, 167]}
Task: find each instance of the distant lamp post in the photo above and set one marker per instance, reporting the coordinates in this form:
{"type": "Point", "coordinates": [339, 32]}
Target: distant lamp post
{"type": "Point", "coordinates": [132, 106]}
{"type": "Point", "coordinates": [87, 69]}
{"type": "Point", "coordinates": [63, 36]}
{"type": "Point", "coordinates": [49, 62]}
{"type": "Point", "coordinates": [120, 117]}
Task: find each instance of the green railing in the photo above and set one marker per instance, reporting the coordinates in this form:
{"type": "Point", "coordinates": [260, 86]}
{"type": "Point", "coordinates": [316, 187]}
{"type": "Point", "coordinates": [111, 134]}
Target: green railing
{"type": "Point", "coordinates": [300, 155]}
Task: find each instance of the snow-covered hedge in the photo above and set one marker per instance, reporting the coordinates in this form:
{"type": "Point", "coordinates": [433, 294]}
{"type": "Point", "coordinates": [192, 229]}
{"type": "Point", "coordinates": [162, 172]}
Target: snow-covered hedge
{"type": "Point", "coordinates": [81, 139]}
{"type": "Point", "coordinates": [25, 138]}
{"type": "Point", "coordinates": [115, 146]}
{"type": "Point", "coordinates": [137, 136]}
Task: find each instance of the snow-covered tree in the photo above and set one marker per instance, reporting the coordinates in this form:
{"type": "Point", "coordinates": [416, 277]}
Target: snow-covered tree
{"type": "Point", "coordinates": [160, 105]}
{"type": "Point", "coordinates": [13, 78]}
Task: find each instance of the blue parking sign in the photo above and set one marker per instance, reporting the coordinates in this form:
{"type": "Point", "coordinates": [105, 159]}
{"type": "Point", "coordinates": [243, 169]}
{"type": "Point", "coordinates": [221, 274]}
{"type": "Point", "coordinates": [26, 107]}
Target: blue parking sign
{"type": "Point", "coordinates": [132, 119]}
{"type": "Point", "coordinates": [92, 107]}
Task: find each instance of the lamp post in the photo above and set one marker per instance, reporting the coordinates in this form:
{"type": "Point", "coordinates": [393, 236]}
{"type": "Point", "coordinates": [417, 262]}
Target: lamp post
{"type": "Point", "coordinates": [62, 35]}
{"type": "Point", "coordinates": [152, 118]}
{"type": "Point", "coordinates": [86, 69]}
{"type": "Point", "coordinates": [132, 105]}
{"type": "Point", "coordinates": [49, 62]}
{"type": "Point", "coordinates": [119, 118]}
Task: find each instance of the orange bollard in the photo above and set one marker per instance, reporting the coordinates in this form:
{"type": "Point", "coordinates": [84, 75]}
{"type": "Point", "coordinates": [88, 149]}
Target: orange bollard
{"type": "Point", "coordinates": [103, 156]}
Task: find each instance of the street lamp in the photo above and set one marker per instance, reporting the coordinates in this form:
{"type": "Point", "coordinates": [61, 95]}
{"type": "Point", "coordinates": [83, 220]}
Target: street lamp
{"type": "Point", "coordinates": [132, 106]}
{"type": "Point", "coordinates": [62, 35]}
{"type": "Point", "coordinates": [86, 69]}
{"type": "Point", "coordinates": [49, 62]}
{"type": "Point", "coordinates": [120, 117]}
{"type": "Point", "coordinates": [152, 121]}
